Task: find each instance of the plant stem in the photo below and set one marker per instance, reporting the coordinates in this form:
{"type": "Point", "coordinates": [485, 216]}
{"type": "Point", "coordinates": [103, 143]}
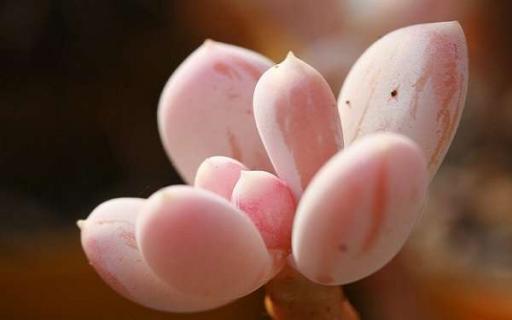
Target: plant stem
{"type": "Point", "coordinates": [290, 296]}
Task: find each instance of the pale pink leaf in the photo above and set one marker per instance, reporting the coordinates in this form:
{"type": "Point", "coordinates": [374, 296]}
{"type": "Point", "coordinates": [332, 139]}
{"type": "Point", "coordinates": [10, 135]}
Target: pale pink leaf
{"type": "Point", "coordinates": [270, 205]}
{"type": "Point", "coordinates": [108, 240]}
{"type": "Point", "coordinates": [219, 175]}
{"type": "Point", "coordinates": [206, 108]}
{"type": "Point", "coordinates": [412, 81]}
{"type": "Point", "coordinates": [200, 244]}
{"type": "Point", "coordinates": [297, 120]}
{"type": "Point", "coordinates": [359, 209]}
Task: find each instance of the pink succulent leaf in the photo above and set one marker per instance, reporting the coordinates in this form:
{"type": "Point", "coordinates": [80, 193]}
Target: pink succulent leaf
{"type": "Point", "coordinates": [200, 244]}
{"type": "Point", "coordinates": [109, 242]}
{"type": "Point", "coordinates": [412, 81]}
{"type": "Point", "coordinates": [219, 175]}
{"type": "Point", "coordinates": [298, 121]}
{"type": "Point", "coordinates": [359, 209]}
{"type": "Point", "coordinates": [206, 108]}
{"type": "Point", "coordinates": [270, 204]}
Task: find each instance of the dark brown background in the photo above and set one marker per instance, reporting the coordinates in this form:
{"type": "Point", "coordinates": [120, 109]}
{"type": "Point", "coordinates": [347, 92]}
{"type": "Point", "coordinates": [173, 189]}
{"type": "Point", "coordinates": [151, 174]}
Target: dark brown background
{"type": "Point", "coordinates": [79, 86]}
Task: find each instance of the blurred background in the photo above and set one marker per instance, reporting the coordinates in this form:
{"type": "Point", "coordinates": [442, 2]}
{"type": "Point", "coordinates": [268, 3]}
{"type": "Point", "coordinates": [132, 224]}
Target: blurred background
{"type": "Point", "coordinates": [79, 86]}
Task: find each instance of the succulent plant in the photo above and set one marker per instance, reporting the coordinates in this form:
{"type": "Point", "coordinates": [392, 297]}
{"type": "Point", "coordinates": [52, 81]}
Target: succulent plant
{"type": "Point", "coordinates": [287, 187]}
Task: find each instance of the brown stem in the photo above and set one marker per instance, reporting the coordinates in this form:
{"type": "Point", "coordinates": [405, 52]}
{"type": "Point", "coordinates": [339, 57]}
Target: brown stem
{"type": "Point", "coordinates": [290, 296]}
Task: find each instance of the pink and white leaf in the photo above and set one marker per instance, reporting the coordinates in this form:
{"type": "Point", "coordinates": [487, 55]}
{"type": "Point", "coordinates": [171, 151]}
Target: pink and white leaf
{"type": "Point", "coordinates": [206, 108]}
{"type": "Point", "coordinates": [412, 81]}
{"type": "Point", "coordinates": [297, 120]}
{"type": "Point", "coordinates": [200, 244]}
{"type": "Point", "coordinates": [108, 239]}
{"type": "Point", "coordinates": [219, 175]}
{"type": "Point", "coordinates": [359, 209]}
{"type": "Point", "coordinates": [270, 204]}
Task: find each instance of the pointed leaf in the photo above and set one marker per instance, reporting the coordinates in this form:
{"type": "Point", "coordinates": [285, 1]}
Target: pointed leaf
{"type": "Point", "coordinates": [297, 120]}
